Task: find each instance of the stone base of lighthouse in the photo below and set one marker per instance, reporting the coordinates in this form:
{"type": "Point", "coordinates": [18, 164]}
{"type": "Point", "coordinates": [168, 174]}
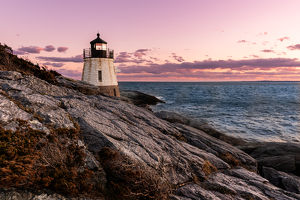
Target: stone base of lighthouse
{"type": "Point", "coordinates": [112, 90]}
{"type": "Point", "coordinates": [101, 72]}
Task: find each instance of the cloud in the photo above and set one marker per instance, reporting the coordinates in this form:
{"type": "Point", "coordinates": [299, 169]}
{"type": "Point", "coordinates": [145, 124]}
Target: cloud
{"type": "Point", "coordinates": [265, 42]}
{"type": "Point", "coordinates": [268, 51]}
{"type": "Point", "coordinates": [49, 48]}
{"type": "Point", "coordinates": [77, 59]}
{"type": "Point", "coordinates": [254, 56]}
{"type": "Point", "coordinates": [154, 58]}
{"type": "Point", "coordinates": [189, 67]}
{"type": "Point", "coordinates": [283, 38]}
{"type": "Point", "coordinates": [70, 73]}
{"type": "Point", "coordinates": [123, 57]}
{"type": "Point", "coordinates": [215, 76]}
{"type": "Point", "coordinates": [263, 33]}
{"type": "Point", "coordinates": [243, 41]}
{"type": "Point", "coordinates": [177, 58]}
{"type": "Point", "coordinates": [18, 52]}
{"type": "Point", "coordinates": [62, 49]}
{"type": "Point", "coordinates": [141, 52]}
{"type": "Point", "coordinates": [294, 47]}
{"type": "Point", "coordinates": [54, 64]}
{"type": "Point", "coordinates": [31, 49]}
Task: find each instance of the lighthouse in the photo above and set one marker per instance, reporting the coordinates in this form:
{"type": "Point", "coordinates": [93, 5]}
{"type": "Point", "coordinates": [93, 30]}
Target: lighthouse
{"type": "Point", "coordinates": [98, 68]}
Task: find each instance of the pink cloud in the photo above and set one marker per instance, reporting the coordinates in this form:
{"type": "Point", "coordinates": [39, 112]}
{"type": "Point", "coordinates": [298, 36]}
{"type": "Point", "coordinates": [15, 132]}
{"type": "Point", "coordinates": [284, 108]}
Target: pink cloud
{"type": "Point", "coordinates": [57, 65]}
{"type": "Point", "coordinates": [240, 65]}
{"type": "Point", "coordinates": [265, 42]}
{"type": "Point", "coordinates": [267, 51]}
{"type": "Point", "coordinates": [263, 33]}
{"type": "Point", "coordinates": [70, 73]}
{"type": "Point", "coordinates": [31, 49]}
{"type": "Point", "coordinates": [123, 57]}
{"type": "Point", "coordinates": [243, 41]}
{"type": "Point", "coordinates": [294, 47]}
{"type": "Point", "coordinates": [154, 58]}
{"type": "Point", "coordinates": [283, 38]}
{"type": "Point", "coordinates": [49, 48]}
{"type": "Point", "coordinates": [62, 49]}
{"type": "Point", "coordinates": [283, 74]}
{"type": "Point", "coordinates": [177, 58]}
{"type": "Point", "coordinates": [18, 52]}
{"type": "Point", "coordinates": [141, 52]}
{"type": "Point", "coordinates": [78, 58]}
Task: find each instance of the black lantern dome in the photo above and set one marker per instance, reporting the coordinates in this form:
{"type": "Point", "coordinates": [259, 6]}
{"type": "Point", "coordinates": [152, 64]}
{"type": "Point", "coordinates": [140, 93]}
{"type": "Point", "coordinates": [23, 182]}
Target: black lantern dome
{"type": "Point", "coordinates": [98, 49]}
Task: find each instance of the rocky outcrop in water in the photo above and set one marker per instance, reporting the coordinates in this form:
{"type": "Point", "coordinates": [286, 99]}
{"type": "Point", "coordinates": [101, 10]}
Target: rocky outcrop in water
{"type": "Point", "coordinates": [194, 164]}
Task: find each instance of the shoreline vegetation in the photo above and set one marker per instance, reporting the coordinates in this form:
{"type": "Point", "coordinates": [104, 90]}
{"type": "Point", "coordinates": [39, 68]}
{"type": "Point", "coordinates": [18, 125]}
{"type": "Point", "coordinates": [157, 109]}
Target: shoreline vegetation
{"type": "Point", "coordinates": [63, 139]}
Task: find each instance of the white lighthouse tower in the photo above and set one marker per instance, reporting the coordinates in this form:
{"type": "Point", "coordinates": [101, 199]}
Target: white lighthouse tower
{"type": "Point", "coordinates": [99, 67]}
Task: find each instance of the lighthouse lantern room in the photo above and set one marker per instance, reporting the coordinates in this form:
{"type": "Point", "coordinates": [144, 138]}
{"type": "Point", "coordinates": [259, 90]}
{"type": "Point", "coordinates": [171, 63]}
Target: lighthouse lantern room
{"type": "Point", "coordinates": [99, 67]}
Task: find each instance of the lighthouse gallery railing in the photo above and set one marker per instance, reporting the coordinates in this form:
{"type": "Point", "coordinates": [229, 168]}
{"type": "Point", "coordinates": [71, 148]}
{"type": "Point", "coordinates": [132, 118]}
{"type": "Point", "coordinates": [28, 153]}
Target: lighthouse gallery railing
{"type": "Point", "coordinates": [87, 53]}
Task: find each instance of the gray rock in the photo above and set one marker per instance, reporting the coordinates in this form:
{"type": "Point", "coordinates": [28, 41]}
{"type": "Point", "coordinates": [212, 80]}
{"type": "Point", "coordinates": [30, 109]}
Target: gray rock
{"type": "Point", "coordinates": [139, 98]}
{"type": "Point", "coordinates": [80, 86]}
{"type": "Point", "coordinates": [280, 156]}
{"type": "Point", "coordinates": [10, 75]}
{"type": "Point", "coordinates": [277, 149]}
{"type": "Point", "coordinates": [201, 125]}
{"type": "Point", "coordinates": [90, 161]}
{"type": "Point", "coordinates": [15, 194]}
{"type": "Point", "coordinates": [194, 191]}
{"type": "Point", "coordinates": [245, 174]}
{"type": "Point", "coordinates": [281, 163]}
{"type": "Point", "coordinates": [196, 137]}
{"type": "Point", "coordinates": [9, 111]}
{"type": "Point", "coordinates": [43, 87]}
{"type": "Point", "coordinates": [233, 186]}
{"type": "Point", "coordinates": [176, 151]}
{"type": "Point", "coordinates": [282, 180]}
{"type": "Point", "coordinates": [175, 197]}
{"type": "Point", "coordinates": [249, 147]}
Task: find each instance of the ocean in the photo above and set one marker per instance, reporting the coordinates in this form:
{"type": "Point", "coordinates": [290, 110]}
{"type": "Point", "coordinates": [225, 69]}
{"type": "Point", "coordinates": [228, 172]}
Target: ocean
{"type": "Point", "coordinates": [253, 111]}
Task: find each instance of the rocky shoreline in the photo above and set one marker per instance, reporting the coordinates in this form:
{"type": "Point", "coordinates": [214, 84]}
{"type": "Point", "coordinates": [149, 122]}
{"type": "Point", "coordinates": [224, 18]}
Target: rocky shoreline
{"type": "Point", "coordinates": [191, 159]}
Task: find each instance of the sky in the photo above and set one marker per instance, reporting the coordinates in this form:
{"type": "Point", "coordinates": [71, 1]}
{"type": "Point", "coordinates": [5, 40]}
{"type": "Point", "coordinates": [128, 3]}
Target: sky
{"type": "Point", "coordinates": [161, 40]}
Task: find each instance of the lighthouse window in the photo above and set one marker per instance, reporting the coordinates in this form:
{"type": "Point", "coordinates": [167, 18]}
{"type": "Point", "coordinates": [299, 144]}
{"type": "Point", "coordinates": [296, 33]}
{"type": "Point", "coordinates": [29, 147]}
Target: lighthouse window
{"type": "Point", "coordinates": [100, 46]}
{"type": "Point", "coordinates": [100, 76]}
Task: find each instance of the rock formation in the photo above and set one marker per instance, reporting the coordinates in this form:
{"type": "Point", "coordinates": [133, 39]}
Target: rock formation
{"type": "Point", "coordinates": [192, 163]}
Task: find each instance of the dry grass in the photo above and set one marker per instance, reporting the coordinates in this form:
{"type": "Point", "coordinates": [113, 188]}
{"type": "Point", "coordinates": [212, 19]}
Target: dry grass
{"type": "Point", "coordinates": [76, 125]}
{"type": "Point", "coordinates": [30, 159]}
{"type": "Point", "coordinates": [128, 179]}
{"type": "Point", "coordinates": [38, 117]}
{"type": "Point", "coordinates": [228, 158]}
{"type": "Point", "coordinates": [208, 168]}
{"type": "Point", "coordinates": [11, 62]}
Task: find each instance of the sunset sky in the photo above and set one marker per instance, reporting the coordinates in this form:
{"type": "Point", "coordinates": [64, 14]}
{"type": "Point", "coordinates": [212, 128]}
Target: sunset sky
{"type": "Point", "coordinates": [161, 40]}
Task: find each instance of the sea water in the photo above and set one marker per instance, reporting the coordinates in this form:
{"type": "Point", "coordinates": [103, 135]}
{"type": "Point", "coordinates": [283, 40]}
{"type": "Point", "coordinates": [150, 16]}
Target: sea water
{"type": "Point", "coordinates": [254, 111]}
